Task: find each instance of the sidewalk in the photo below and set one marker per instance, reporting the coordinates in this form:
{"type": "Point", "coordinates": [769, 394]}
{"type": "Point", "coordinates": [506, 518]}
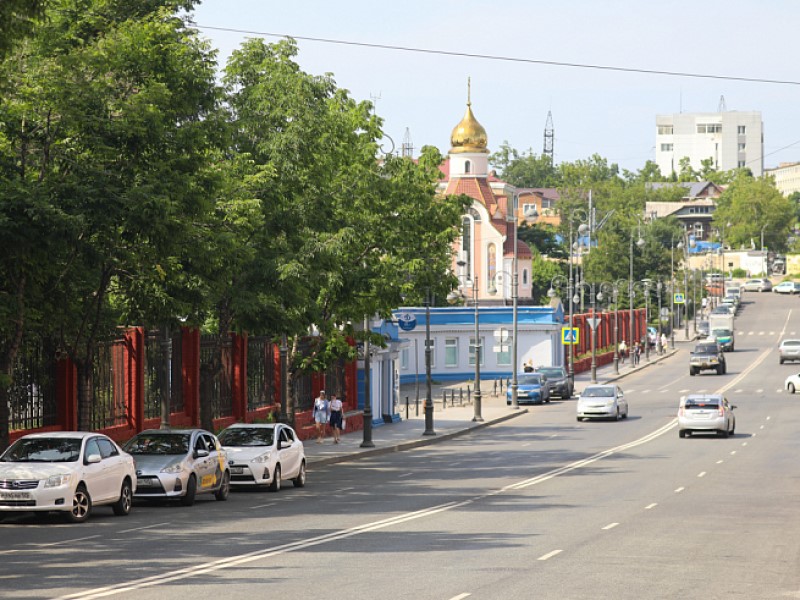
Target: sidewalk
{"type": "Point", "coordinates": [453, 420]}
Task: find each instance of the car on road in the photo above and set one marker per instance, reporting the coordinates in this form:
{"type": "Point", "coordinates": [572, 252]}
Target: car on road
{"type": "Point", "coordinates": [789, 350]}
{"type": "Point", "coordinates": [264, 454]}
{"type": "Point", "coordinates": [787, 287]}
{"type": "Point", "coordinates": [757, 285]}
{"type": "Point", "coordinates": [792, 383]}
{"type": "Point", "coordinates": [706, 413]}
{"type": "Point", "coordinates": [723, 309]}
{"type": "Point", "coordinates": [179, 463]}
{"type": "Point", "coordinates": [67, 472]}
{"type": "Point", "coordinates": [532, 388]}
{"type": "Point", "coordinates": [558, 381]}
{"type": "Point", "coordinates": [602, 402]}
{"type": "Point", "coordinates": [707, 356]}
{"type": "Point", "coordinates": [702, 329]}
{"type": "Point", "coordinates": [725, 339]}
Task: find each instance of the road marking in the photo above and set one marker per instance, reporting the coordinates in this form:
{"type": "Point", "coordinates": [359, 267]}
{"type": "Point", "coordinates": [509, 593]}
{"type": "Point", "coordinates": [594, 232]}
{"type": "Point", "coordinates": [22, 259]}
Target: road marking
{"type": "Point", "coordinates": [649, 506]}
{"type": "Point", "coordinates": [145, 527]}
{"type": "Point", "coordinates": [682, 391]}
{"type": "Point", "coordinates": [768, 418]}
{"type": "Point", "coordinates": [610, 526]}
{"type": "Point", "coordinates": [753, 434]}
{"type": "Point", "coordinates": [739, 391]}
{"type": "Point", "coordinates": [733, 452]}
{"type": "Point", "coordinates": [679, 490]}
{"type": "Point", "coordinates": [549, 555]}
{"type": "Point", "coordinates": [720, 461]}
{"type": "Point", "coordinates": [410, 474]}
{"type": "Point", "coordinates": [759, 391]}
{"type": "Point", "coordinates": [762, 427]}
{"type": "Point", "coordinates": [744, 443]}
{"type": "Point", "coordinates": [264, 505]}
{"type": "Point", "coordinates": [461, 596]}
{"type": "Point", "coordinates": [701, 474]}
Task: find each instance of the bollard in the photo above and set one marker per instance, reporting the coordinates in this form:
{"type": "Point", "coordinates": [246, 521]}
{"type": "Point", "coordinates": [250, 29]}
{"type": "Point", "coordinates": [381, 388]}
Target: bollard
{"type": "Point", "coordinates": [494, 390]}
{"type": "Point", "coordinates": [469, 396]}
{"type": "Point", "coordinates": [444, 399]}
{"type": "Point", "coordinates": [460, 396]}
{"type": "Point", "coordinates": [417, 403]}
{"type": "Point", "coordinates": [406, 408]}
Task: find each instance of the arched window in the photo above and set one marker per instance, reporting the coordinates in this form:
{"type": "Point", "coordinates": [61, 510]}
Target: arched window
{"type": "Point", "coordinates": [467, 167]}
{"type": "Point", "coordinates": [524, 276]}
{"type": "Point", "coordinates": [466, 245]}
{"type": "Point", "coordinates": [491, 266]}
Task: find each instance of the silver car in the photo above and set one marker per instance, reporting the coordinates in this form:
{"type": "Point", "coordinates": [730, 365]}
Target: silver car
{"type": "Point", "coordinates": [264, 454]}
{"type": "Point", "coordinates": [602, 402]}
{"type": "Point", "coordinates": [707, 413]}
{"type": "Point", "coordinates": [179, 463]}
{"type": "Point", "coordinates": [789, 350]}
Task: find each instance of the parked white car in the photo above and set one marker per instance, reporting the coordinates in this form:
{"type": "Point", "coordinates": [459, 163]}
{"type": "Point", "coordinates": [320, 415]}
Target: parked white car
{"type": "Point", "coordinates": [69, 472]}
{"type": "Point", "coordinates": [264, 454]}
{"type": "Point", "coordinates": [792, 383]}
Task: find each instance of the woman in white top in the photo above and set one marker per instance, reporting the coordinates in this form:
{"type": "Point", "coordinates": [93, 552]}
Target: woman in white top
{"type": "Point", "coordinates": [321, 414]}
{"type": "Point", "coordinates": [337, 417]}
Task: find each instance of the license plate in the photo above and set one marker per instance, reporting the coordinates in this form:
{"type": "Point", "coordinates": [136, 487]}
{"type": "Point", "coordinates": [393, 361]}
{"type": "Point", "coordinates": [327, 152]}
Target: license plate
{"type": "Point", "coordinates": [237, 470]}
{"type": "Point", "coordinates": [15, 496]}
{"type": "Point", "coordinates": [147, 482]}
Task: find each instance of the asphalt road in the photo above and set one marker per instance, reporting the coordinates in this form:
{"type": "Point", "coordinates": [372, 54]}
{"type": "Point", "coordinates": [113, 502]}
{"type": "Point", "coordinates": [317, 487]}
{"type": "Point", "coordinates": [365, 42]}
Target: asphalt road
{"type": "Point", "coordinates": [541, 506]}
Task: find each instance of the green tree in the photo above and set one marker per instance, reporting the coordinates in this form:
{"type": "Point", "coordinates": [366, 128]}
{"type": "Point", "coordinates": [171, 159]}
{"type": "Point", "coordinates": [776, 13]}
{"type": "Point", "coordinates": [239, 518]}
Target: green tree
{"type": "Point", "coordinates": [526, 170]}
{"type": "Point", "coordinates": [17, 20]}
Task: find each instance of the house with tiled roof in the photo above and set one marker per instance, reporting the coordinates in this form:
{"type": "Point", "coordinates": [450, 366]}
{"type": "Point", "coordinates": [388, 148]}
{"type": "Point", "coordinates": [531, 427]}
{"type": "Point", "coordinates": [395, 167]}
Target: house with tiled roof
{"type": "Point", "coordinates": [695, 210]}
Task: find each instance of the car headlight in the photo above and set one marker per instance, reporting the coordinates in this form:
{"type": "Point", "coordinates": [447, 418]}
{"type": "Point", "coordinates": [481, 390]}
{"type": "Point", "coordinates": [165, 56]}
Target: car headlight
{"type": "Point", "coordinates": [56, 481]}
{"type": "Point", "coordinates": [263, 458]}
{"type": "Point", "coordinates": [174, 468]}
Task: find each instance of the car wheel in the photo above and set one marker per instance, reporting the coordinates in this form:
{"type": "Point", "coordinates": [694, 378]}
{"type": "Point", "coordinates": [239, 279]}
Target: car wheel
{"type": "Point", "coordinates": [781, 361]}
{"type": "Point", "coordinates": [81, 505]}
{"type": "Point", "coordinates": [191, 491]}
{"type": "Point", "coordinates": [225, 487]}
{"type": "Point", "coordinates": [723, 433]}
{"type": "Point", "coordinates": [681, 433]}
{"type": "Point", "coordinates": [579, 419]}
{"type": "Point", "coordinates": [692, 372]}
{"type": "Point", "coordinates": [790, 387]}
{"type": "Point", "coordinates": [122, 507]}
{"type": "Point", "coordinates": [300, 480]}
{"type": "Point", "coordinates": [275, 486]}
{"type": "Point", "coordinates": [616, 416]}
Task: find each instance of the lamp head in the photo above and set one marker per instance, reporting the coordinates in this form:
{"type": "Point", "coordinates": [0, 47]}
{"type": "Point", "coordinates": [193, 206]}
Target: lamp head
{"type": "Point", "coordinates": [551, 293]}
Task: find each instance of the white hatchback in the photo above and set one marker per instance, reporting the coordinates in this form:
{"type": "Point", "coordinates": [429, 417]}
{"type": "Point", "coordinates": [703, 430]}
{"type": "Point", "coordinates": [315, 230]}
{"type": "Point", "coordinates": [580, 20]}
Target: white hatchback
{"type": "Point", "coordinates": [706, 413]}
{"type": "Point", "coordinates": [264, 454]}
{"type": "Point", "coordinates": [602, 402]}
{"type": "Point", "coordinates": [69, 472]}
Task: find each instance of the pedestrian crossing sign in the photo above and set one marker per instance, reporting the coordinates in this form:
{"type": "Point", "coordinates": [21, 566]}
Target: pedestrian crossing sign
{"type": "Point", "coordinates": [569, 335]}
{"type": "Point", "coordinates": [679, 298]}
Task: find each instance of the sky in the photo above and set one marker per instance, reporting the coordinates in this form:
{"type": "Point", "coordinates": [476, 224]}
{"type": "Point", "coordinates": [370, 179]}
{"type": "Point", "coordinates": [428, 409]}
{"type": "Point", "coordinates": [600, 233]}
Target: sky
{"type": "Point", "coordinates": [423, 96]}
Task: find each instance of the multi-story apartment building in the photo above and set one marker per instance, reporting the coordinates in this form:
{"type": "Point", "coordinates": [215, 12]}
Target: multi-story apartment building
{"type": "Point", "coordinates": [732, 139]}
{"type": "Point", "coordinates": [787, 177]}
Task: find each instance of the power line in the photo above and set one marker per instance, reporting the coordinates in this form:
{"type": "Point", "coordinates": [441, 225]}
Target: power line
{"type": "Point", "coordinates": [504, 58]}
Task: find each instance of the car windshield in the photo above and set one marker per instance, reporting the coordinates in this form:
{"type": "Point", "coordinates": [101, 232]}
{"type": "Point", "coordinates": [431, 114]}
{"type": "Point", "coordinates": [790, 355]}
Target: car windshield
{"type": "Point", "coordinates": [553, 372]}
{"type": "Point", "coordinates": [158, 443]}
{"type": "Point", "coordinates": [598, 392]}
{"type": "Point", "coordinates": [722, 333]}
{"type": "Point", "coordinates": [247, 436]}
{"type": "Point", "coordinates": [530, 379]}
{"type": "Point", "coordinates": [711, 403]}
{"type": "Point", "coordinates": [706, 348]}
{"type": "Point", "coordinates": [53, 449]}
{"type": "Point", "coordinates": [790, 343]}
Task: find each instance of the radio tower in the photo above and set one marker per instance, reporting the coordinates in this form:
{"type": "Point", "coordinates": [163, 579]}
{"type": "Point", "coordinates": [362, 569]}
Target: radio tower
{"type": "Point", "coordinates": [407, 149]}
{"type": "Point", "coordinates": [548, 137]}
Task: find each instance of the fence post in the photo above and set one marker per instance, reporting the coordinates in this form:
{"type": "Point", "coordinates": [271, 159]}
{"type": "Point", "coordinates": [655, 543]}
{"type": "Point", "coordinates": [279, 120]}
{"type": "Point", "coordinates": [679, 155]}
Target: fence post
{"type": "Point", "coordinates": [444, 399]}
{"type": "Point", "coordinates": [469, 396]}
{"type": "Point", "coordinates": [406, 408]}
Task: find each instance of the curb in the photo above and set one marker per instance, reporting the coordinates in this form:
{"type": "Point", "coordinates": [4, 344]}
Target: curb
{"type": "Point", "coordinates": [416, 443]}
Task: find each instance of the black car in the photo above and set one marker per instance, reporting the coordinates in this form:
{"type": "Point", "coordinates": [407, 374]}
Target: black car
{"type": "Point", "coordinates": [558, 380]}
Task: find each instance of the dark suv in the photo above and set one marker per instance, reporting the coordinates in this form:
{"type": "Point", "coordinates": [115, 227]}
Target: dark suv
{"type": "Point", "coordinates": [558, 380]}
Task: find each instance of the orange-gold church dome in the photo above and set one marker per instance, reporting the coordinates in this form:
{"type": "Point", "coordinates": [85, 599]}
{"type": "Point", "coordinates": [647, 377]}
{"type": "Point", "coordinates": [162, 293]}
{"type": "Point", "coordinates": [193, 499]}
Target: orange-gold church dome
{"type": "Point", "coordinates": [468, 135]}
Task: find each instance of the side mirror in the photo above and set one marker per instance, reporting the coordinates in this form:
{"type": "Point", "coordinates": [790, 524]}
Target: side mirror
{"type": "Point", "coordinates": [200, 453]}
{"type": "Point", "coordinates": [93, 459]}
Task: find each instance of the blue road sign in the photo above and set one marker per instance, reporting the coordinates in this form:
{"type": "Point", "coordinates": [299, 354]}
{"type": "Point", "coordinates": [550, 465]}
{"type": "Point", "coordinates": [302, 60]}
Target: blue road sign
{"type": "Point", "coordinates": [569, 335]}
{"type": "Point", "coordinates": [406, 321]}
{"type": "Point", "coordinates": [679, 298]}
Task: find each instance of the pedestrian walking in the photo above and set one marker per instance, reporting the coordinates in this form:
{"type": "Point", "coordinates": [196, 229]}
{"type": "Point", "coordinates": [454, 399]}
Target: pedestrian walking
{"type": "Point", "coordinates": [663, 342]}
{"type": "Point", "coordinates": [636, 352]}
{"type": "Point", "coordinates": [623, 348]}
{"type": "Point", "coordinates": [337, 418]}
{"type": "Point", "coordinates": [321, 414]}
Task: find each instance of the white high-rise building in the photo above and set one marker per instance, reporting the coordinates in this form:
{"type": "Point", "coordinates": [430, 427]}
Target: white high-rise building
{"type": "Point", "coordinates": [732, 139]}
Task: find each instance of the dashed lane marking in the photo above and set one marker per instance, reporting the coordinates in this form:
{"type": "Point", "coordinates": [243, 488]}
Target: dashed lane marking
{"type": "Point", "coordinates": [549, 555]}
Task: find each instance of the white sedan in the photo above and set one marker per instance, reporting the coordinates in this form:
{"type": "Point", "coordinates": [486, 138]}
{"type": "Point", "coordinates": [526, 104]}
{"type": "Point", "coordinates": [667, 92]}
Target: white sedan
{"type": "Point", "coordinates": [69, 472]}
{"type": "Point", "coordinates": [602, 402]}
{"type": "Point", "coordinates": [264, 454]}
{"type": "Point", "coordinates": [792, 383]}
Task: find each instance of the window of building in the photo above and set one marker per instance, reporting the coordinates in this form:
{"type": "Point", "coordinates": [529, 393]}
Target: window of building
{"type": "Point", "coordinates": [503, 356]}
{"type": "Point", "coordinates": [741, 164]}
{"type": "Point", "coordinates": [665, 130]}
{"type": "Point", "coordinates": [530, 208]}
{"type": "Point", "coordinates": [467, 166]}
{"type": "Point", "coordinates": [709, 128]}
{"type": "Point", "coordinates": [466, 245]}
{"type": "Point", "coordinates": [524, 276]}
{"type": "Point", "coordinates": [548, 203]}
{"type": "Point", "coordinates": [741, 129]}
{"type": "Point", "coordinates": [472, 351]}
{"type": "Point", "coordinates": [666, 147]}
{"type": "Point", "coordinates": [741, 147]}
{"type": "Point", "coordinates": [451, 352]}
{"type": "Point", "coordinates": [404, 359]}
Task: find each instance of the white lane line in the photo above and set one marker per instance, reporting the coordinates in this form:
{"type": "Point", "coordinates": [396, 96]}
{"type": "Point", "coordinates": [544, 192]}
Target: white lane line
{"type": "Point", "coordinates": [347, 489]}
{"type": "Point", "coordinates": [610, 526]}
{"type": "Point", "coordinates": [649, 506]}
{"type": "Point", "coordinates": [145, 527]}
{"type": "Point", "coordinates": [549, 555]}
{"type": "Point", "coordinates": [525, 444]}
{"type": "Point", "coordinates": [720, 461]}
{"type": "Point", "coordinates": [753, 434]}
{"type": "Point", "coordinates": [744, 443]}
{"type": "Point", "coordinates": [682, 391]}
{"type": "Point", "coordinates": [410, 474]}
{"type": "Point", "coordinates": [739, 391]}
{"type": "Point", "coordinates": [555, 435]}
{"type": "Point", "coordinates": [701, 474]}
{"type": "Point", "coordinates": [768, 418]}
{"type": "Point", "coordinates": [461, 596]}
{"type": "Point", "coordinates": [733, 452]}
{"type": "Point", "coordinates": [762, 427]}
{"type": "Point", "coordinates": [679, 490]}
{"type": "Point", "coordinates": [264, 505]}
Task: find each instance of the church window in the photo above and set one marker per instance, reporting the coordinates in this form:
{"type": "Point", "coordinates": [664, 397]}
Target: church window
{"type": "Point", "coordinates": [524, 276]}
{"type": "Point", "coordinates": [466, 245]}
{"type": "Point", "coordinates": [491, 266]}
{"type": "Point", "coordinates": [467, 167]}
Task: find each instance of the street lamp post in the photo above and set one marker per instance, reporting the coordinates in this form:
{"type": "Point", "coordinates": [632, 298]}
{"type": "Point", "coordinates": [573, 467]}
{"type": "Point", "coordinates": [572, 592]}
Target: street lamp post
{"type": "Point", "coordinates": [614, 288]}
{"type": "Point", "coordinates": [477, 399]}
{"type": "Point", "coordinates": [583, 229]}
{"type": "Point", "coordinates": [640, 243]}
{"type": "Point", "coordinates": [428, 379]}
{"type": "Point", "coordinates": [367, 431]}
{"type": "Point", "coordinates": [593, 337]}
{"type": "Point", "coordinates": [645, 287]}
{"type": "Point", "coordinates": [659, 287]}
{"type": "Point", "coordinates": [556, 282]}
{"type": "Point", "coordinates": [672, 290]}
